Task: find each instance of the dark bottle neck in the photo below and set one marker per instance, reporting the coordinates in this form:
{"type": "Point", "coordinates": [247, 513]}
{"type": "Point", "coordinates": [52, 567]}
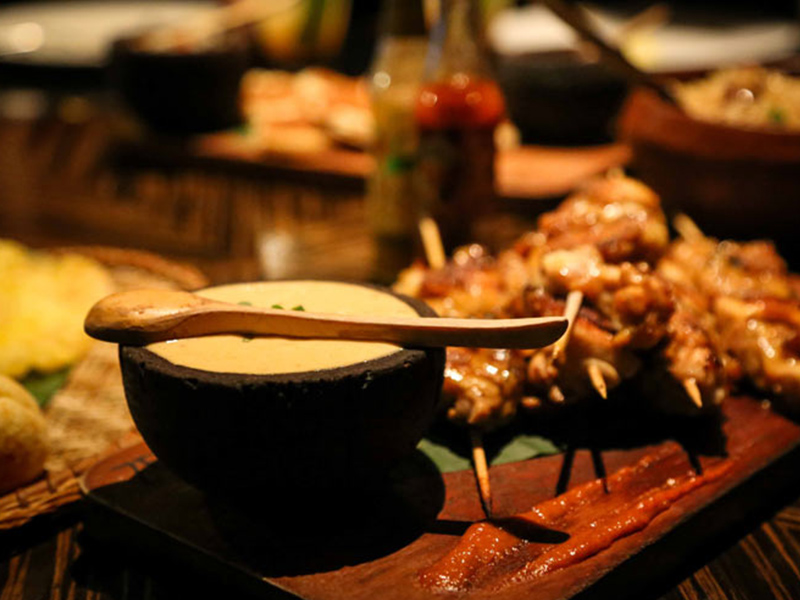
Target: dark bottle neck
{"type": "Point", "coordinates": [463, 16]}
{"type": "Point", "coordinates": [403, 18]}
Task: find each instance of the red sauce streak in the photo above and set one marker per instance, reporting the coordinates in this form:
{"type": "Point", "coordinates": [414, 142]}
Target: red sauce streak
{"type": "Point", "coordinates": [488, 556]}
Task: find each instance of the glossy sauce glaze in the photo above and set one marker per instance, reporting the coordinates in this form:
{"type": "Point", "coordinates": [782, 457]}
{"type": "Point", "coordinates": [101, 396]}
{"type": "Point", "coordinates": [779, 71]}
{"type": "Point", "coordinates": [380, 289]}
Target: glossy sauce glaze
{"type": "Point", "coordinates": [490, 556]}
{"type": "Point", "coordinates": [273, 355]}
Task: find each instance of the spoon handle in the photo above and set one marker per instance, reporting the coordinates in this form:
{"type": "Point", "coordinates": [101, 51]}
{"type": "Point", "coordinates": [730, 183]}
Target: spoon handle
{"type": "Point", "coordinates": [143, 317]}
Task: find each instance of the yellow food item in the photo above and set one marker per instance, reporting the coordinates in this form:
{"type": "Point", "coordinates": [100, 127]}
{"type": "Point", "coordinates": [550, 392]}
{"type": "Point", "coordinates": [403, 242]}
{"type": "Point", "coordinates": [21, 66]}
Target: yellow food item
{"type": "Point", "coordinates": [43, 301]}
{"type": "Point", "coordinates": [23, 445]}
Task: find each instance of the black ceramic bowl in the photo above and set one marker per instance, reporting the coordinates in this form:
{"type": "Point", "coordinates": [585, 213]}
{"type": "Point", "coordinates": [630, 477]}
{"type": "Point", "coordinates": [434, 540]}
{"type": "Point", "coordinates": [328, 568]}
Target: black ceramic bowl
{"type": "Point", "coordinates": [181, 92]}
{"type": "Point", "coordinates": [292, 434]}
{"type": "Point", "coordinates": [559, 98]}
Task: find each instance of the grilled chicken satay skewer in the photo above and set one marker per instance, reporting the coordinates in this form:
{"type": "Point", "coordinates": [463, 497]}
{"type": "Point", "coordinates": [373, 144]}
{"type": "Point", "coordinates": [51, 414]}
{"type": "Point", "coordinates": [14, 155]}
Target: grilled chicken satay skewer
{"type": "Point", "coordinates": [753, 300]}
{"type": "Point", "coordinates": [434, 253]}
{"type": "Point", "coordinates": [690, 232]}
{"type": "Point", "coordinates": [580, 246]}
{"type": "Point", "coordinates": [606, 240]}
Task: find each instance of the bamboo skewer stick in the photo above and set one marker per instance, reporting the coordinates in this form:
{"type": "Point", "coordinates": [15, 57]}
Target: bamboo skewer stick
{"type": "Point", "coordinates": [690, 232]}
{"type": "Point", "coordinates": [687, 228]}
{"type": "Point", "coordinates": [599, 466]}
{"type": "Point", "coordinates": [481, 468]}
{"type": "Point", "coordinates": [571, 308]}
{"type": "Point", "coordinates": [432, 243]}
{"type": "Point", "coordinates": [597, 379]}
{"type": "Point", "coordinates": [556, 395]}
{"type": "Point", "coordinates": [690, 385]}
{"type": "Point", "coordinates": [436, 257]}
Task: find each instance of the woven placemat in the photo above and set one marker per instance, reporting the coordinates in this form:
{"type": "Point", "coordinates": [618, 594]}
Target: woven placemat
{"type": "Point", "coordinates": [88, 417]}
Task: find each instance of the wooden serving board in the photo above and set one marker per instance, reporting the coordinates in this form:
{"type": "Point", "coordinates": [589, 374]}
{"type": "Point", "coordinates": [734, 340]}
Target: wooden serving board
{"type": "Point", "coordinates": [527, 172]}
{"type": "Point", "coordinates": [380, 552]}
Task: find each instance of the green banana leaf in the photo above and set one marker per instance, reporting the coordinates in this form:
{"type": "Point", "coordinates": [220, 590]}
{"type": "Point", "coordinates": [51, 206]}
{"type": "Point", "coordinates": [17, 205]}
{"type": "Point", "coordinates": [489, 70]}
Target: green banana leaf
{"type": "Point", "coordinates": [448, 458]}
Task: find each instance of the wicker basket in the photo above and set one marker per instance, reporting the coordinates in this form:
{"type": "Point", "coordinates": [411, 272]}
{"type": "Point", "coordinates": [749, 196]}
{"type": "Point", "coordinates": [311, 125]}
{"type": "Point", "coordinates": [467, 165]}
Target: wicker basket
{"type": "Point", "coordinates": [88, 418]}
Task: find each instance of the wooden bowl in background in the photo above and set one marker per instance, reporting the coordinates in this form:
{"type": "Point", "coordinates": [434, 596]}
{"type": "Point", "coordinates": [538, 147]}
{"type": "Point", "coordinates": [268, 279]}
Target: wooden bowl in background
{"type": "Point", "coordinates": [734, 182]}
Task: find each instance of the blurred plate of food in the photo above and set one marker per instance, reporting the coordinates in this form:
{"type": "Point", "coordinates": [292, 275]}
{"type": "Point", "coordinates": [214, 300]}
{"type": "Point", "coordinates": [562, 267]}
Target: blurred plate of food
{"type": "Point", "coordinates": [60, 392]}
{"type": "Point", "coordinates": [319, 121]}
{"type": "Point", "coordinates": [78, 34]}
{"type": "Point", "coordinates": [735, 145]}
{"type": "Point", "coordinates": [671, 40]}
{"type": "Point", "coordinates": [558, 91]}
{"type": "Point", "coordinates": [336, 106]}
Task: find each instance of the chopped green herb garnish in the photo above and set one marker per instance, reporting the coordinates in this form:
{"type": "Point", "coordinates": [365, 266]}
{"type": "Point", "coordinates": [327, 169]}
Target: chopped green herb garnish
{"type": "Point", "coordinates": [245, 303]}
{"type": "Point", "coordinates": [278, 306]}
{"type": "Point", "coordinates": [299, 307]}
{"type": "Point", "coordinates": [776, 116]}
{"type": "Point", "coordinates": [247, 339]}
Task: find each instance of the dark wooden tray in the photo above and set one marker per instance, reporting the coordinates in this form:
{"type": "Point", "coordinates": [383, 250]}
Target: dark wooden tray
{"type": "Point", "coordinates": [524, 173]}
{"type": "Point", "coordinates": [378, 550]}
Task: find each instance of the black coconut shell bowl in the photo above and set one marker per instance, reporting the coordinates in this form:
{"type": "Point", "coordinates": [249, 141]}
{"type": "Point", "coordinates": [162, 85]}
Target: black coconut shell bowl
{"type": "Point", "coordinates": [289, 435]}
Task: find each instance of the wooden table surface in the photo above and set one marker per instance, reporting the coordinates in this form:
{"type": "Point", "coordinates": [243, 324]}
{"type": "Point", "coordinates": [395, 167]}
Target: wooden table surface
{"type": "Point", "coordinates": [54, 165]}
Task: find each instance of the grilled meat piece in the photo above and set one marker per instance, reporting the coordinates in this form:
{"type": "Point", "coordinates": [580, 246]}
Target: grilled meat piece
{"type": "Point", "coordinates": [473, 284]}
{"type": "Point", "coordinates": [637, 303]}
{"type": "Point", "coordinates": [749, 305]}
{"type": "Point", "coordinates": [620, 216]}
{"type": "Point", "coordinates": [482, 386]}
{"type": "Point", "coordinates": [747, 271]}
{"type": "Point", "coordinates": [566, 378]}
{"type": "Point", "coordinates": [764, 335]}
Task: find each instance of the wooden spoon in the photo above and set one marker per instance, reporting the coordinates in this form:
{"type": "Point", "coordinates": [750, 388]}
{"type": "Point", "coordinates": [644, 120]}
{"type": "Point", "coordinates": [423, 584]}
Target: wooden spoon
{"type": "Point", "coordinates": [141, 317]}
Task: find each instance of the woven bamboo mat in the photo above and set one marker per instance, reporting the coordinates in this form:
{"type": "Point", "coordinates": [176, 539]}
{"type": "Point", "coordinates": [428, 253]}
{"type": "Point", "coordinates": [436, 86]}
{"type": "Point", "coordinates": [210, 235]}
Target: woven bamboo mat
{"type": "Point", "coordinates": [88, 417]}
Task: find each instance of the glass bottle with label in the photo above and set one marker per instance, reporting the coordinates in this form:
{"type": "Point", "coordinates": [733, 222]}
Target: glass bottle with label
{"type": "Point", "coordinates": [395, 78]}
{"type": "Point", "coordinates": [457, 112]}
